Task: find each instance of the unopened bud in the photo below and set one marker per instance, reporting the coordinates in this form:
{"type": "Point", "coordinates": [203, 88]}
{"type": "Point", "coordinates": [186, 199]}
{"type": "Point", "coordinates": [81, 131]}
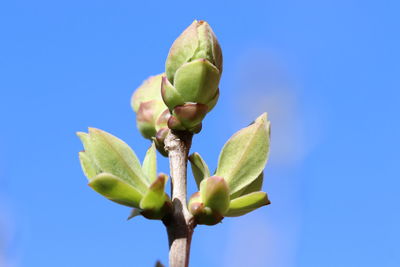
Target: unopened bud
{"type": "Point", "coordinates": [159, 140]}
{"type": "Point", "coordinates": [151, 113]}
{"type": "Point", "coordinates": [215, 193]}
{"type": "Point", "coordinates": [146, 117]}
{"type": "Point", "coordinates": [210, 204]}
{"type": "Point", "coordinates": [201, 213]}
{"type": "Point", "coordinates": [193, 71]}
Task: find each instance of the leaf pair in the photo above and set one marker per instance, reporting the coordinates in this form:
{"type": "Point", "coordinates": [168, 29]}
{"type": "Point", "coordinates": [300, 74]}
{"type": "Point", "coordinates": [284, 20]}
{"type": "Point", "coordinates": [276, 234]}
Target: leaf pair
{"type": "Point", "coordinates": [114, 171]}
{"type": "Point", "coordinates": [240, 171]}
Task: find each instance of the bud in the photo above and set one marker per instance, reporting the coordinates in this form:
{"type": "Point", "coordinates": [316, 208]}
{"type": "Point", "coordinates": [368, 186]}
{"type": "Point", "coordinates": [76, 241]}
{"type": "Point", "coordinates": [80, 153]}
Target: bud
{"type": "Point", "coordinates": [215, 193]}
{"type": "Point", "coordinates": [148, 90]}
{"type": "Point", "coordinates": [201, 213]}
{"type": "Point", "coordinates": [159, 141]}
{"type": "Point", "coordinates": [193, 70]}
{"type": "Point", "coordinates": [210, 204]}
{"type": "Point", "coordinates": [156, 203]}
{"type": "Point", "coordinates": [151, 113]}
{"type": "Point", "coordinates": [146, 117]}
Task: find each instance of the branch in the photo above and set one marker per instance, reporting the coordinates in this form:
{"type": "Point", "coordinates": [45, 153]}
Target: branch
{"type": "Point", "coordinates": [179, 224]}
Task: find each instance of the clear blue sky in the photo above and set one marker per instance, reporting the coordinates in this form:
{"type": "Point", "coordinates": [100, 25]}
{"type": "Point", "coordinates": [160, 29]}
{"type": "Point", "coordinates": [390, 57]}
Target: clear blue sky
{"type": "Point", "coordinates": [328, 73]}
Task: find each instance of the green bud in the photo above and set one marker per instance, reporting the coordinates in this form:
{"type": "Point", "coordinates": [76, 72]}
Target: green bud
{"type": "Point", "coordinates": [156, 203]}
{"type": "Point", "coordinates": [149, 106]}
{"type": "Point", "coordinates": [215, 194]}
{"type": "Point", "coordinates": [210, 204]}
{"type": "Point", "coordinates": [151, 113]}
{"type": "Point", "coordinates": [147, 117]}
{"type": "Point", "coordinates": [201, 213]}
{"type": "Point", "coordinates": [193, 70]}
{"type": "Point", "coordinates": [195, 204]}
{"type": "Point", "coordinates": [196, 42]}
{"type": "Point", "coordinates": [148, 90]}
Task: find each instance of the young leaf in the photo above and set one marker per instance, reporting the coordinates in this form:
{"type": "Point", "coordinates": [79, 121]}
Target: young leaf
{"type": "Point", "coordinates": [85, 139]}
{"type": "Point", "coordinates": [114, 156]}
{"type": "Point", "coordinates": [88, 167]}
{"type": "Point", "coordinates": [150, 164]}
{"type": "Point", "coordinates": [199, 168]}
{"type": "Point", "coordinates": [247, 203]}
{"type": "Point", "coordinates": [256, 185]}
{"type": "Point", "coordinates": [155, 202]}
{"type": "Point", "coordinates": [164, 177]}
{"type": "Point", "coordinates": [245, 154]}
{"type": "Point", "coordinates": [116, 190]}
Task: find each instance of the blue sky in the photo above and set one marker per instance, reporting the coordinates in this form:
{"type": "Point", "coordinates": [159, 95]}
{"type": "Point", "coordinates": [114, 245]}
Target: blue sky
{"type": "Point", "coordinates": [327, 72]}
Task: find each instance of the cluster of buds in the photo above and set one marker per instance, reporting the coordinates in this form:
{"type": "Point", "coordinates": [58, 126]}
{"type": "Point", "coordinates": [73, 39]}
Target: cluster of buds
{"type": "Point", "coordinates": [234, 190]}
{"type": "Point", "coordinates": [179, 99]}
{"type": "Point", "coordinates": [114, 171]}
{"type": "Point", "coordinates": [192, 74]}
{"type": "Point", "coordinates": [151, 113]}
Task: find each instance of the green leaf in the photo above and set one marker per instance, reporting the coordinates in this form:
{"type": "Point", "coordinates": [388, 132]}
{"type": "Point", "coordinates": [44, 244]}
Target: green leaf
{"type": "Point", "coordinates": [163, 176]}
{"type": "Point", "coordinates": [245, 154]}
{"type": "Point", "coordinates": [215, 194]}
{"type": "Point", "coordinates": [114, 156]}
{"type": "Point", "coordinates": [199, 168]}
{"type": "Point", "coordinates": [247, 203]}
{"type": "Point", "coordinates": [150, 164]}
{"type": "Point", "coordinates": [85, 139]}
{"type": "Point", "coordinates": [88, 167]}
{"type": "Point", "coordinates": [155, 203]}
{"type": "Point", "coordinates": [256, 185]}
{"type": "Point", "coordinates": [116, 189]}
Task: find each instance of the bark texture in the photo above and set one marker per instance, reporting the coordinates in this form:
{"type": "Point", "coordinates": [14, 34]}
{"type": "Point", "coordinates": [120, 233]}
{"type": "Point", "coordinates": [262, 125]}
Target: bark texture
{"type": "Point", "coordinates": [180, 223]}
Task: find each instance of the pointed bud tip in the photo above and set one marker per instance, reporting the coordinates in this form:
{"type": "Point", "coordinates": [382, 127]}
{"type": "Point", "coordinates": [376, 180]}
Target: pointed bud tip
{"type": "Point", "coordinates": [159, 183]}
{"type": "Point", "coordinates": [79, 134]}
{"type": "Point", "coordinates": [93, 130]}
{"type": "Point", "coordinates": [262, 118]}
